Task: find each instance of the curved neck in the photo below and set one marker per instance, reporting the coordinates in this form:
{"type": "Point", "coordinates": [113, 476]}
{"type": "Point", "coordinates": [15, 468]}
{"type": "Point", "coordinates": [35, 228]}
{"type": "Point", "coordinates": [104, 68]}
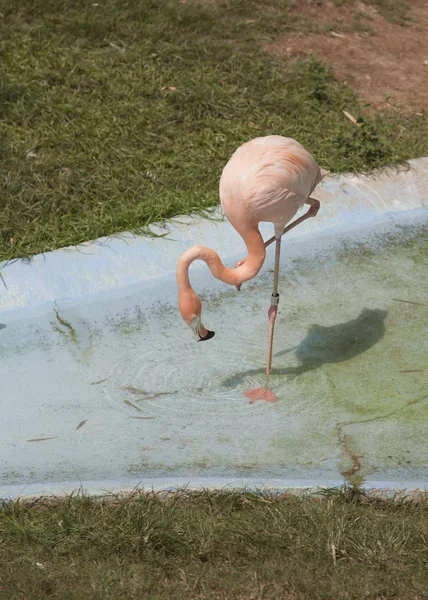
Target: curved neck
{"type": "Point", "coordinates": [252, 265]}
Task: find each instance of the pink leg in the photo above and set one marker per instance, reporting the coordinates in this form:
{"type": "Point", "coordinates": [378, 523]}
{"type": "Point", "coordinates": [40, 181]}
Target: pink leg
{"type": "Point", "coordinates": [265, 393]}
{"type": "Point", "coordinates": [312, 212]}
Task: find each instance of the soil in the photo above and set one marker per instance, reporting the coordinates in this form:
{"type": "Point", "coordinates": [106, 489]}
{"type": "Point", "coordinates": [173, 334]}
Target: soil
{"type": "Point", "coordinates": [385, 63]}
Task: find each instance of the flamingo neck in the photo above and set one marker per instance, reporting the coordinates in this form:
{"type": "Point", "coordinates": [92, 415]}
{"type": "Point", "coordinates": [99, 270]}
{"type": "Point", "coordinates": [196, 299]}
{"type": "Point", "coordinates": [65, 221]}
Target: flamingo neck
{"type": "Point", "coordinates": [249, 269]}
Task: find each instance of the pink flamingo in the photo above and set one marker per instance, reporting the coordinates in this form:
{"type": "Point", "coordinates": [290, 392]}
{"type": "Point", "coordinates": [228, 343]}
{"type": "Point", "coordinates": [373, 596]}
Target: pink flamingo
{"type": "Point", "coordinates": [266, 179]}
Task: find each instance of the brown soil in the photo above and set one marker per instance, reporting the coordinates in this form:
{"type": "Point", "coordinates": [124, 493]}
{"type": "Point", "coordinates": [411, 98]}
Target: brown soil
{"type": "Point", "coordinates": [386, 65]}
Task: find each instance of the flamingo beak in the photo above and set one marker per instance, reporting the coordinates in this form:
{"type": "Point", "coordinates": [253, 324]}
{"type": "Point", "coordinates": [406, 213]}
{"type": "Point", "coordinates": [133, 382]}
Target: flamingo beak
{"type": "Point", "coordinates": [208, 336]}
{"type": "Point", "coordinates": [201, 333]}
{"type": "Point", "coordinates": [238, 287]}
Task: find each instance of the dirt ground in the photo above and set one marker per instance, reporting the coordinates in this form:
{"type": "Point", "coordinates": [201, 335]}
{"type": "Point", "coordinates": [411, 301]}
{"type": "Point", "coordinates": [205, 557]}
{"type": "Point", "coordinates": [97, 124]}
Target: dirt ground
{"type": "Point", "coordinates": [385, 63]}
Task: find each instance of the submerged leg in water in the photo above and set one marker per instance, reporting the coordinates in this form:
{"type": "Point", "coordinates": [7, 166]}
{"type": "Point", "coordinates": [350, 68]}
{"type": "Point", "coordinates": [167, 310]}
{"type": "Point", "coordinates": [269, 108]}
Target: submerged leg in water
{"type": "Point", "coordinates": [265, 393]}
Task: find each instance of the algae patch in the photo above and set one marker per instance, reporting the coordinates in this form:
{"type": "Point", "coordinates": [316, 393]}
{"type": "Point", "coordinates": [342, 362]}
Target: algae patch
{"type": "Point", "coordinates": [69, 331]}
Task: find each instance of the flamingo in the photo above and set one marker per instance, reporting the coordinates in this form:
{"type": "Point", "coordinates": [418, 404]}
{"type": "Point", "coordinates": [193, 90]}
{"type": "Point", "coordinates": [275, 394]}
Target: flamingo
{"type": "Point", "coordinates": [267, 179]}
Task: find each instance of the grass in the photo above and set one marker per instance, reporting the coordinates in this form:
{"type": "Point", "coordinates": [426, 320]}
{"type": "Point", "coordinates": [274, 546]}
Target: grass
{"type": "Point", "coordinates": [396, 11]}
{"type": "Point", "coordinates": [116, 115]}
{"type": "Point", "coordinates": [215, 545]}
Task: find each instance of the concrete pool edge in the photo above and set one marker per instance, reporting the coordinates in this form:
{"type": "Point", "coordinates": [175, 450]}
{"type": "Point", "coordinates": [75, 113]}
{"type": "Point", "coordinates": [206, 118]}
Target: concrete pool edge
{"type": "Point", "coordinates": [109, 265]}
{"type": "Point", "coordinates": [264, 486]}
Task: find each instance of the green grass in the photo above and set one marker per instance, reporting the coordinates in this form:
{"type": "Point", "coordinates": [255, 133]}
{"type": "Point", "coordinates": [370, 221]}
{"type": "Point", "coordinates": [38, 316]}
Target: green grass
{"type": "Point", "coordinates": [396, 11]}
{"type": "Point", "coordinates": [121, 114]}
{"type": "Point", "coordinates": [215, 545]}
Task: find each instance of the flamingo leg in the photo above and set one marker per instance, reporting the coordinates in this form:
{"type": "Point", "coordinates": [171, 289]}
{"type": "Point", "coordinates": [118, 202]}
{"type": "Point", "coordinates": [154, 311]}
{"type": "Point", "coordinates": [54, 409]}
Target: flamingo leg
{"type": "Point", "coordinates": [273, 311]}
{"type": "Point", "coordinates": [264, 393]}
{"type": "Point", "coordinates": [312, 212]}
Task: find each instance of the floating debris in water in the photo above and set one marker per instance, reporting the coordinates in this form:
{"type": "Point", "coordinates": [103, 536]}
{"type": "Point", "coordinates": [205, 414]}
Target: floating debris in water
{"type": "Point", "coordinates": [146, 395]}
{"type": "Point", "coordinates": [134, 390]}
{"type": "Point", "coordinates": [132, 404]}
{"type": "Point", "coordinates": [98, 382]}
{"type": "Point", "coordinates": [143, 417]}
{"type": "Point", "coordinates": [411, 371]}
{"type": "Point", "coordinates": [42, 439]}
{"type": "Point", "coordinates": [81, 424]}
{"type": "Point", "coordinates": [408, 301]}
{"type": "Point", "coordinates": [157, 395]}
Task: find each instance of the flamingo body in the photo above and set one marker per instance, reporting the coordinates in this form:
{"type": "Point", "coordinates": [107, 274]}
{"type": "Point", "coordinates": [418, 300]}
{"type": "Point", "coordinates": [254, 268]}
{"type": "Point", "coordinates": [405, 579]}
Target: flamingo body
{"type": "Point", "coordinates": [267, 179]}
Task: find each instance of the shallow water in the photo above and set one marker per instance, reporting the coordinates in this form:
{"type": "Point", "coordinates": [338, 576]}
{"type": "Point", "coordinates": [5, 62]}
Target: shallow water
{"type": "Point", "coordinates": [119, 388]}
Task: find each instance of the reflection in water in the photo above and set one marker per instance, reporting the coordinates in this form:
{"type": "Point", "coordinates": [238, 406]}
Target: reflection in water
{"type": "Point", "coordinates": [2, 325]}
{"type": "Point", "coordinates": [322, 345]}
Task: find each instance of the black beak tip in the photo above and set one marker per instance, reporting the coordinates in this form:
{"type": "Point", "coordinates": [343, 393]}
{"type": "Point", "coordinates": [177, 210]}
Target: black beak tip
{"type": "Point", "coordinates": [208, 336]}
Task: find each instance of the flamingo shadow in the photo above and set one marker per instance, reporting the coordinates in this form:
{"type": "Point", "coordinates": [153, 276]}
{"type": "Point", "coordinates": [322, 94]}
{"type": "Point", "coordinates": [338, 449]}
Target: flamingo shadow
{"type": "Point", "coordinates": [323, 345]}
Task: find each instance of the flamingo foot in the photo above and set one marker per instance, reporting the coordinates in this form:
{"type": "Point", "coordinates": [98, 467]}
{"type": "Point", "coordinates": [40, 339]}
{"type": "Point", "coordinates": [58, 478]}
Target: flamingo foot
{"type": "Point", "coordinates": [261, 394]}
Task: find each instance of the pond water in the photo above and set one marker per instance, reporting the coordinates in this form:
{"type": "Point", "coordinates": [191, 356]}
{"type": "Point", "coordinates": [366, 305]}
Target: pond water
{"type": "Point", "coordinates": [118, 390]}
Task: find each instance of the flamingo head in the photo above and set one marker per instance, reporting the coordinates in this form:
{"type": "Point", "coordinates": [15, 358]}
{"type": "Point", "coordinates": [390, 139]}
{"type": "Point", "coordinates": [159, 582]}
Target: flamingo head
{"type": "Point", "coordinates": [199, 331]}
{"type": "Point", "coordinates": [191, 309]}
